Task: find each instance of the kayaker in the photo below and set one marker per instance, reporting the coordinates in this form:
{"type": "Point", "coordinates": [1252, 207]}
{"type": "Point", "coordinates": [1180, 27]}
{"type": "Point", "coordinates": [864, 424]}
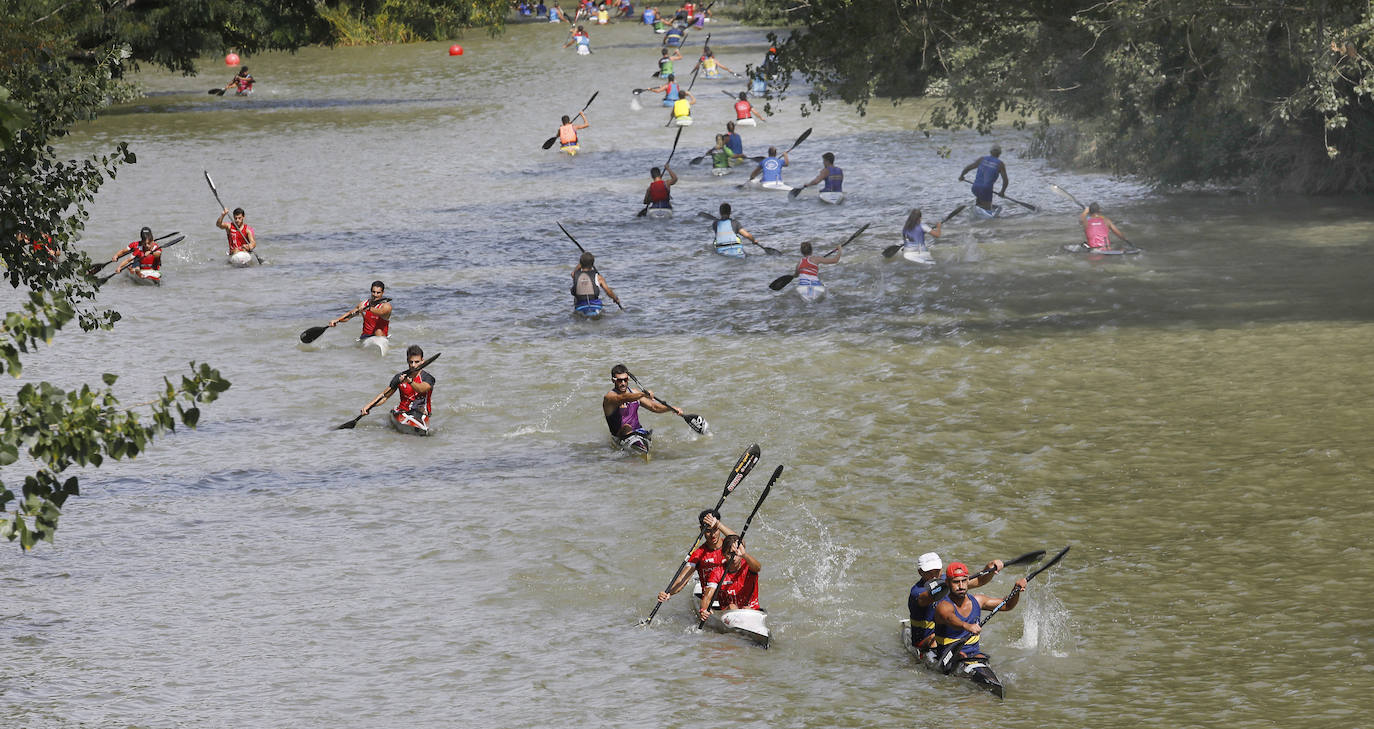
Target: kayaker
{"type": "Point", "coordinates": [376, 311]}
{"type": "Point", "coordinates": [588, 283]}
{"type": "Point", "coordinates": [241, 236]}
{"type": "Point", "coordinates": [808, 269]}
{"type": "Point", "coordinates": [929, 588]}
{"type": "Point", "coordinates": [665, 62]}
{"type": "Point", "coordinates": [957, 613]}
{"type": "Point", "coordinates": [704, 559]}
{"type": "Point", "coordinates": [583, 41]}
{"type": "Point", "coordinates": [744, 111]}
{"type": "Point", "coordinates": [659, 194]}
{"type": "Point", "coordinates": [603, 16]}
{"type": "Point", "coordinates": [721, 155]}
{"type": "Point", "coordinates": [727, 230]}
{"type": "Point", "coordinates": [670, 90]}
{"type": "Point", "coordinates": [989, 168]}
{"type": "Point", "coordinates": [832, 176]}
{"type": "Point", "coordinates": [734, 584]}
{"type": "Point", "coordinates": [733, 140]}
{"type": "Point", "coordinates": [144, 253]}
{"type": "Point", "coordinates": [682, 109]}
{"type": "Point", "coordinates": [1097, 228]}
{"type": "Point", "coordinates": [710, 67]}
{"type": "Point", "coordinates": [771, 167]}
{"type": "Point", "coordinates": [621, 404]}
{"type": "Point", "coordinates": [415, 386]}
{"type": "Point", "coordinates": [242, 82]}
{"type": "Point", "coordinates": [914, 232]}
{"type": "Point", "coordinates": [556, 14]}
{"type": "Point", "coordinates": [673, 37]}
{"type": "Point", "coordinates": [567, 133]}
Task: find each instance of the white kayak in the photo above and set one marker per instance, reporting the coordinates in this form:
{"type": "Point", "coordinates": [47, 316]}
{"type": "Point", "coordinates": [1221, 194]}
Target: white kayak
{"type": "Point", "coordinates": [832, 198]}
{"type": "Point", "coordinates": [240, 259]}
{"type": "Point", "coordinates": [150, 277]}
{"type": "Point", "coordinates": [409, 424]}
{"type": "Point", "coordinates": [682, 121]}
{"type": "Point", "coordinates": [746, 122]}
{"type": "Point", "coordinates": [584, 50]}
{"type": "Point", "coordinates": [918, 255]}
{"type": "Point", "coordinates": [985, 214]}
{"type": "Point", "coordinates": [752, 624]}
{"type": "Point", "coordinates": [660, 213]}
{"type": "Point", "coordinates": [720, 171]}
{"type": "Point", "coordinates": [1083, 248]}
{"type": "Point", "coordinates": [811, 290]}
{"type": "Point", "coordinates": [381, 344]}
{"type": "Point", "coordinates": [777, 185]}
{"type": "Point", "coordinates": [639, 442]}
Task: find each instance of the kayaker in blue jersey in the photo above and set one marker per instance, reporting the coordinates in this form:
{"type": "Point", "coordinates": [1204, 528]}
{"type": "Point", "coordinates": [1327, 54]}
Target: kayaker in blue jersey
{"type": "Point", "coordinates": [989, 168]}
{"type": "Point", "coordinates": [832, 176]}
{"type": "Point", "coordinates": [928, 590]}
{"type": "Point", "coordinates": [671, 90]}
{"type": "Point", "coordinates": [588, 283]}
{"type": "Point", "coordinates": [583, 41]}
{"type": "Point", "coordinates": [674, 36]}
{"type": "Point", "coordinates": [556, 15]}
{"type": "Point", "coordinates": [771, 167]}
{"type": "Point", "coordinates": [957, 613]}
{"type": "Point", "coordinates": [732, 139]}
{"type": "Point", "coordinates": [914, 232]}
{"type": "Point", "coordinates": [620, 406]}
{"type": "Point", "coordinates": [728, 231]}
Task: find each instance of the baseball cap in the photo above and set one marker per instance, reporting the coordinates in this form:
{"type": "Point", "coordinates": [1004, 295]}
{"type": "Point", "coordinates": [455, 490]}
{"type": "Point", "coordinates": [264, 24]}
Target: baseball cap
{"type": "Point", "coordinates": [956, 569]}
{"type": "Point", "coordinates": [929, 561]}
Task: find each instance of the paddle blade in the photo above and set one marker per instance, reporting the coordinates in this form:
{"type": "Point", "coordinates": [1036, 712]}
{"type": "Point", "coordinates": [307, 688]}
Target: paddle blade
{"type": "Point", "coordinates": [891, 250]}
{"type": "Point", "coordinates": [743, 466]}
{"type": "Point", "coordinates": [801, 138]}
{"type": "Point", "coordinates": [311, 334]}
{"type": "Point", "coordinates": [212, 91]}
{"type": "Point", "coordinates": [349, 425]}
{"type": "Point", "coordinates": [695, 422]}
{"type": "Point", "coordinates": [589, 101]}
{"type": "Point", "coordinates": [857, 233]}
{"type": "Point", "coordinates": [642, 212]}
{"type": "Point", "coordinates": [574, 240]}
{"type": "Point", "coordinates": [771, 251]}
{"type": "Point", "coordinates": [549, 142]}
{"type": "Point", "coordinates": [1065, 194]}
{"type": "Point", "coordinates": [211, 181]}
{"type": "Point", "coordinates": [781, 282]}
{"type": "Point", "coordinates": [1048, 564]}
{"type": "Point", "coordinates": [953, 213]}
{"type": "Point", "coordinates": [794, 192]}
{"type": "Point", "coordinates": [1025, 558]}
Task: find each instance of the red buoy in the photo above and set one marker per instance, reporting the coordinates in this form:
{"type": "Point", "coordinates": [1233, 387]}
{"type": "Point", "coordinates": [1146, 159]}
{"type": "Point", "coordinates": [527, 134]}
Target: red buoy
{"type": "Point", "coordinates": [455, 50]}
{"type": "Point", "coordinates": [231, 60]}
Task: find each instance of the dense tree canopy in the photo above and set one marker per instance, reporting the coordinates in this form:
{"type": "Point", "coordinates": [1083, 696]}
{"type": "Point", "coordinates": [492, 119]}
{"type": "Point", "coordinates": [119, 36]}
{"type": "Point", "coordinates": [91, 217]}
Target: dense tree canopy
{"type": "Point", "coordinates": [1173, 90]}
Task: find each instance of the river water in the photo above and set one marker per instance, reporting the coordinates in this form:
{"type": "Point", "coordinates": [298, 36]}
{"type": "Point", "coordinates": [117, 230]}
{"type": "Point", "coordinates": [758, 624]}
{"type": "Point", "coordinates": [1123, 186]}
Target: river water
{"type": "Point", "coordinates": [1194, 421]}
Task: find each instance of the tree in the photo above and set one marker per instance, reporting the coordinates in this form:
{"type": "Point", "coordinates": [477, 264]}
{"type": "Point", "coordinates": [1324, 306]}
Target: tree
{"type": "Point", "coordinates": [1273, 92]}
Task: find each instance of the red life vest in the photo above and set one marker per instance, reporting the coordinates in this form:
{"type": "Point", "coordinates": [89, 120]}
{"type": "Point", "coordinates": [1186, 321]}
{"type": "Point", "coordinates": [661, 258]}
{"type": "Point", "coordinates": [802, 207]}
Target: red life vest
{"type": "Point", "coordinates": [412, 400]}
{"type": "Point", "coordinates": [147, 257]}
{"type": "Point", "coordinates": [807, 267]}
{"type": "Point", "coordinates": [658, 191]}
{"type": "Point", "coordinates": [374, 325]}
{"type": "Point", "coordinates": [238, 238]}
{"type": "Point", "coordinates": [743, 109]}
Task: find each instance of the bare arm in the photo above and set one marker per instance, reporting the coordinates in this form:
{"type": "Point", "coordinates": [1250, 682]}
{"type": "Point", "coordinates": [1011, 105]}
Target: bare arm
{"type": "Point", "coordinates": [819, 178]}
{"type": "Point", "coordinates": [993, 568]}
{"type": "Point", "coordinates": [945, 615]}
{"type": "Point", "coordinates": [609, 292]}
{"type": "Point", "coordinates": [1002, 168]}
{"type": "Point", "coordinates": [972, 165]}
{"type": "Point", "coordinates": [672, 175]}
{"type": "Point", "coordinates": [648, 401]}
{"type": "Point", "coordinates": [386, 394]}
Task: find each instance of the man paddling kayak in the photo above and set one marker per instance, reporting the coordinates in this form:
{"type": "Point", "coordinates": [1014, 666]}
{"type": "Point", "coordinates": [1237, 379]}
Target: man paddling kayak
{"type": "Point", "coordinates": [416, 386]}
{"type": "Point", "coordinates": [665, 63]}
{"type": "Point", "coordinates": [957, 613]}
{"type": "Point", "coordinates": [583, 41]}
{"type": "Point", "coordinates": [621, 405]}
{"type": "Point", "coordinates": [1097, 228]}
{"type": "Point", "coordinates": [376, 311]}
{"type": "Point", "coordinates": [989, 168]}
{"type": "Point", "coordinates": [659, 195]}
{"type": "Point", "coordinates": [929, 589]}
{"type": "Point", "coordinates": [704, 559]}
{"type": "Point", "coordinates": [744, 112]}
{"type": "Point", "coordinates": [567, 133]}
{"type": "Point", "coordinates": [734, 584]}
{"type": "Point", "coordinates": [588, 284]}
{"type": "Point", "coordinates": [722, 156]}
{"type": "Point", "coordinates": [242, 82]}
{"type": "Point", "coordinates": [728, 231]}
{"type": "Point", "coordinates": [771, 168]}
{"type": "Point", "coordinates": [145, 255]}
{"type": "Point", "coordinates": [710, 67]}
{"type": "Point", "coordinates": [733, 140]}
{"type": "Point", "coordinates": [241, 236]}
{"type": "Point", "coordinates": [830, 174]}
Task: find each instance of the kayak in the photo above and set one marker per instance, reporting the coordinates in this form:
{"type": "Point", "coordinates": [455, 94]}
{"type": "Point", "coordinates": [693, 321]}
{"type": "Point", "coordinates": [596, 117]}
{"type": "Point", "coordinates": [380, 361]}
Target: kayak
{"type": "Point", "coordinates": [732, 250]}
{"type": "Point", "coordinates": [1083, 248]}
{"type": "Point", "coordinates": [833, 198]}
{"type": "Point", "coordinates": [408, 424]}
{"type": "Point", "coordinates": [752, 624]}
{"type": "Point", "coordinates": [683, 121]}
{"type": "Point", "coordinates": [983, 214]}
{"type": "Point", "coordinates": [589, 309]}
{"type": "Point", "coordinates": [777, 185]}
{"type": "Point", "coordinates": [720, 171]}
{"type": "Point", "coordinates": [570, 149]}
{"type": "Point", "coordinates": [811, 290]}
{"type": "Point", "coordinates": [976, 670]}
{"type": "Point", "coordinates": [150, 277]}
{"type": "Point", "coordinates": [918, 255]}
{"type": "Point", "coordinates": [746, 122]}
{"type": "Point", "coordinates": [240, 259]}
{"type": "Point", "coordinates": [381, 344]}
{"type": "Point", "coordinates": [660, 213]}
{"type": "Point", "coordinates": [638, 442]}
{"type": "Point", "coordinates": [584, 50]}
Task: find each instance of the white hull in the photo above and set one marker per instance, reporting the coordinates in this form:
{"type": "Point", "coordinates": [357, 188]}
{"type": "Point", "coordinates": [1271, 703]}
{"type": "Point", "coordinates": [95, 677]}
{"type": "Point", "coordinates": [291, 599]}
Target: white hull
{"type": "Point", "coordinates": [832, 198]}
{"type": "Point", "coordinates": [240, 259]}
{"type": "Point", "coordinates": [916, 255]}
{"type": "Point", "coordinates": [683, 121]}
{"type": "Point", "coordinates": [660, 213]}
{"type": "Point", "coordinates": [750, 122]}
{"type": "Point", "coordinates": [409, 425]}
{"type": "Point", "coordinates": [381, 344]}
{"type": "Point", "coordinates": [811, 292]}
{"type": "Point", "coordinates": [144, 278]}
{"type": "Point", "coordinates": [638, 443]}
{"type": "Point", "coordinates": [752, 624]}
{"type": "Point", "coordinates": [982, 214]}
{"type": "Point", "coordinates": [777, 185]}
{"type": "Point", "coordinates": [720, 171]}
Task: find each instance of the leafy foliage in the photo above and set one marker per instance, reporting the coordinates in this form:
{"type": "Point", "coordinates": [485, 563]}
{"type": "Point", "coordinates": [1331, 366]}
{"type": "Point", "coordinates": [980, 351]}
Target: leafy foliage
{"type": "Point", "coordinates": [1174, 90]}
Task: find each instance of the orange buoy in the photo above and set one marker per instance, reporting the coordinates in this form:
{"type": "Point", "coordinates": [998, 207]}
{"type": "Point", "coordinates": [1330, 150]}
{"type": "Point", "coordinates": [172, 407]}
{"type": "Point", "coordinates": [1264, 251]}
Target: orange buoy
{"type": "Point", "coordinates": [455, 50]}
{"type": "Point", "coordinates": [231, 60]}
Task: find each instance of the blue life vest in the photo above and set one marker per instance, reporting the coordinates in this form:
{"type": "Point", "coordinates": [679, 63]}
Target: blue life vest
{"type": "Point", "coordinates": [734, 143]}
{"type": "Point", "coordinates": [725, 232]}
{"type": "Point", "coordinates": [834, 182]}
{"type": "Point", "coordinates": [946, 634]}
{"type": "Point", "coordinates": [673, 92]}
{"type": "Point", "coordinates": [922, 618]}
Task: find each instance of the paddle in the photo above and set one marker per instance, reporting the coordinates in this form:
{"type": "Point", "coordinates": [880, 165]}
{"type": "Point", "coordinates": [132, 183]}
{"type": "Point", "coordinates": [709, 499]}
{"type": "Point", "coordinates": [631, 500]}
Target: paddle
{"type": "Point", "coordinates": [1065, 193]}
{"type": "Point", "coordinates": [216, 92]}
{"type": "Point", "coordinates": [704, 46]}
{"type": "Point", "coordinates": [313, 333]}
{"type": "Point", "coordinates": [93, 270]}
{"type": "Point", "coordinates": [776, 472]}
{"type": "Point", "coordinates": [231, 222]}
{"type": "Point", "coordinates": [781, 282]}
{"type": "Point", "coordinates": [695, 422]}
{"type": "Point", "coordinates": [584, 250]}
{"type": "Point", "coordinates": [403, 373]}
{"type": "Point", "coordinates": [891, 251]}
{"type": "Point", "coordinates": [743, 466]}
{"type": "Point", "coordinates": [549, 142]}
{"type": "Point", "coordinates": [770, 251]}
{"type": "Point", "coordinates": [105, 279]}
{"type": "Point", "coordinates": [673, 151]}
{"type": "Point", "coordinates": [942, 589]}
{"type": "Point", "coordinates": [1025, 205]}
{"type": "Point", "coordinates": [948, 653]}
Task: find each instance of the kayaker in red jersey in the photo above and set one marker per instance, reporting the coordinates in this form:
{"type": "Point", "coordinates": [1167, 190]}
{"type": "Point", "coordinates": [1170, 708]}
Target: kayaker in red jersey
{"type": "Point", "coordinates": [658, 194]}
{"type": "Point", "coordinates": [703, 559]}
{"type": "Point", "coordinates": [376, 311]}
{"type": "Point", "coordinates": [242, 82]}
{"type": "Point", "coordinates": [144, 253]}
{"type": "Point", "coordinates": [241, 237]}
{"type": "Point", "coordinates": [415, 386]}
{"type": "Point", "coordinates": [735, 583]}
{"type": "Point", "coordinates": [957, 613]}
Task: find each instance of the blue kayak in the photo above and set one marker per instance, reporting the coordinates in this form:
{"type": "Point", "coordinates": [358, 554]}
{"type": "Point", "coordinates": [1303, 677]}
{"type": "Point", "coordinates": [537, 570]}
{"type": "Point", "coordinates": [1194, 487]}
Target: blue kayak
{"type": "Point", "coordinates": [589, 309]}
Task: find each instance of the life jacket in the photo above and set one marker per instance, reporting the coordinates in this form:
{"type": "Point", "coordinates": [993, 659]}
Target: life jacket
{"type": "Point", "coordinates": [946, 634]}
{"type": "Point", "coordinates": [743, 109]}
{"type": "Point", "coordinates": [708, 64]}
{"type": "Point", "coordinates": [808, 267]}
{"type": "Point", "coordinates": [1097, 232]}
{"type": "Point", "coordinates": [567, 134]}
{"type": "Point", "coordinates": [721, 158]}
{"type": "Point", "coordinates": [412, 401]}
{"type": "Point", "coordinates": [682, 108]}
{"type": "Point", "coordinates": [658, 192]}
{"type": "Point", "coordinates": [374, 324]}
{"type": "Point", "coordinates": [834, 181]}
{"type": "Point", "coordinates": [725, 232]}
{"type": "Point", "coordinates": [147, 257]}
{"type": "Point", "coordinates": [665, 67]}
{"type": "Point", "coordinates": [243, 83]}
{"type": "Point", "coordinates": [987, 171]}
{"type": "Point", "coordinates": [673, 92]}
{"type": "Point", "coordinates": [689, 9]}
{"type": "Point", "coordinates": [584, 286]}
{"type": "Point", "coordinates": [238, 237]}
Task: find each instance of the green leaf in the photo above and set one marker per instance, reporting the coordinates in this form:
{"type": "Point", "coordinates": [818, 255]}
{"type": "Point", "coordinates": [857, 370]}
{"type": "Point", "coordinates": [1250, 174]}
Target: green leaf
{"type": "Point", "coordinates": [109, 378]}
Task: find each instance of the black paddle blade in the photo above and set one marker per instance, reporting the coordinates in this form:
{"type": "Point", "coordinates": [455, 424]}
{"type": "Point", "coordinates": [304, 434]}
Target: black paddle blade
{"type": "Point", "coordinates": [857, 233]}
{"type": "Point", "coordinates": [771, 251]}
{"type": "Point", "coordinates": [801, 139]}
{"type": "Point", "coordinates": [589, 101]}
{"type": "Point", "coordinates": [743, 466]}
{"type": "Point", "coordinates": [311, 334]}
{"type": "Point", "coordinates": [781, 282]}
{"type": "Point", "coordinates": [1048, 564]}
{"type": "Point", "coordinates": [549, 142]}
{"type": "Point", "coordinates": [215, 92]}
{"type": "Point", "coordinates": [695, 422]}
{"type": "Point", "coordinates": [349, 425]}
{"type": "Point", "coordinates": [891, 251]}
{"type": "Point", "coordinates": [1025, 558]}
{"type": "Point", "coordinates": [643, 211]}
{"type": "Point", "coordinates": [953, 213]}
{"type": "Point", "coordinates": [794, 192]}
{"type": "Point", "coordinates": [574, 240]}
{"type": "Point", "coordinates": [707, 216]}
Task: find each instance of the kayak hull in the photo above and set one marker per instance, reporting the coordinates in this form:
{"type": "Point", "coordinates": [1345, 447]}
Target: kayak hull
{"type": "Point", "coordinates": [659, 213]}
{"type": "Point", "coordinates": [589, 309]}
{"type": "Point", "coordinates": [240, 259]}
{"type": "Point", "coordinates": [381, 344]}
{"type": "Point", "coordinates": [985, 214]}
{"type": "Point", "coordinates": [776, 186]}
{"type": "Point", "coordinates": [918, 255]}
{"type": "Point", "coordinates": [810, 291]}
{"type": "Point", "coordinates": [734, 250]}
{"type": "Point", "coordinates": [144, 278]}
{"type": "Point", "coordinates": [750, 122]}
{"type": "Point", "coordinates": [976, 671]}
{"type": "Point", "coordinates": [682, 121]}
{"type": "Point", "coordinates": [408, 424]}
{"type": "Point", "coordinates": [640, 442]}
{"type": "Point", "coordinates": [832, 198]}
{"type": "Point", "coordinates": [1083, 248]}
{"type": "Point", "coordinates": [720, 171]}
{"type": "Point", "coordinates": [751, 624]}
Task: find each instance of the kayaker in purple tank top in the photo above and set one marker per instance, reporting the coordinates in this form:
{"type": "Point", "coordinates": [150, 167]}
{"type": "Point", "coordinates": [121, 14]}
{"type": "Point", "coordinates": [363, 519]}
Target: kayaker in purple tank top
{"type": "Point", "coordinates": [620, 406]}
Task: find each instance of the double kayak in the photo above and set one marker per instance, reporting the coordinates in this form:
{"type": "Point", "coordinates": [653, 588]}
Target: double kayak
{"type": "Point", "coordinates": [752, 624]}
{"type": "Point", "coordinates": [975, 670]}
{"type": "Point", "coordinates": [638, 442]}
{"type": "Point", "coordinates": [144, 277]}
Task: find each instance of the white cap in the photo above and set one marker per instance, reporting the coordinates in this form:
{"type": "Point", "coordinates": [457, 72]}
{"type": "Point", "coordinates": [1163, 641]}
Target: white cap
{"type": "Point", "coordinates": [929, 561]}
